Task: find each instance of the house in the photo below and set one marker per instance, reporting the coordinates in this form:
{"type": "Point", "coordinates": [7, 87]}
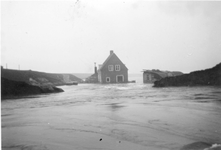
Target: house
{"type": "Point", "coordinates": [112, 70]}
{"type": "Point", "coordinates": [150, 76]}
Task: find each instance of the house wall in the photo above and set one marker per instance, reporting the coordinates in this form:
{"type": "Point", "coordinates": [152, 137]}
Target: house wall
{"type": "Point", "coordinates": [150, 77]}
{"type": "Point", "coordinates": [99, 77]}
{"type": "Point", "coordinates": [112, 74]}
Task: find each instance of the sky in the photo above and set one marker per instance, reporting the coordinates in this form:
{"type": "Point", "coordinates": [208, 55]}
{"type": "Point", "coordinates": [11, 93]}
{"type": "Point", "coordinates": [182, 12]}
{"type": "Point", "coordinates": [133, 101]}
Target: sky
{"type": "Point", "coordinates": [69, 36]}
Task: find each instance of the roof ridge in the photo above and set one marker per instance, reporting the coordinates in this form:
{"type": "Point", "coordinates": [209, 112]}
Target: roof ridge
{"type": "Point", "coordinates": [108, 58]}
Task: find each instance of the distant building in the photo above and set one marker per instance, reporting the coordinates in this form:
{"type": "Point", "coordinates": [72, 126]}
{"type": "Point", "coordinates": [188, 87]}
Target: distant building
{"type": "Point", "coordinates": [111, 71]}
{"type": "Point", "coordinates": [94, 77]}
{"type": "Point", "coordinates": [150, 76]}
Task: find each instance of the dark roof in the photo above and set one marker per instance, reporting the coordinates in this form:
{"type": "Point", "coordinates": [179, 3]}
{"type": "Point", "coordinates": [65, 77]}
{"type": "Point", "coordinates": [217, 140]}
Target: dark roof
{"type": "Point", "coordinates": [108, 58]}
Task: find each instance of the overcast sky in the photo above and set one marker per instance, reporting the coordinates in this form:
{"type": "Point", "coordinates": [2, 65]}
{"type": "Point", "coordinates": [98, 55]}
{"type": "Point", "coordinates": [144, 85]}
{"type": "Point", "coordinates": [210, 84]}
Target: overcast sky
{"type": "Point", "coordinates": [69, 36]}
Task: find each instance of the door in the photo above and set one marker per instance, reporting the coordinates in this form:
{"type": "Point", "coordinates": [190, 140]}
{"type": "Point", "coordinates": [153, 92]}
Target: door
{"type": "Point", "coordinates": [120, 78]}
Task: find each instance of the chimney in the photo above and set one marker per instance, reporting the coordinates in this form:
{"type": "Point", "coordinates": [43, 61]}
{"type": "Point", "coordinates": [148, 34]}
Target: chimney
{"type": "Point", "coordinates": [95, 68]}
{"type": "Point", "coordinates": [111, 52]}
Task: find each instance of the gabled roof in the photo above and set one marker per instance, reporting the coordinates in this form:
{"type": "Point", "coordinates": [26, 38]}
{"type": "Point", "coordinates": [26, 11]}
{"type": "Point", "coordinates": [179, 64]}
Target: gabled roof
{"type": "Point", "coordinates": [108, 58]}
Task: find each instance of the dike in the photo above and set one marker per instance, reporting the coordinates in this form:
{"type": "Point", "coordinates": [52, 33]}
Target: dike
{"type": "Point", "coordinates": [39, 78]}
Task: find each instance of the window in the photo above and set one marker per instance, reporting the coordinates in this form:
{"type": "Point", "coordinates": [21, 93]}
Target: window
{"type": "Point", "coordinates": [107, 79]}
{"type": "Point", "coordinates": [111, 68]}
{"type": "Point", "coordinates": [117, 67]}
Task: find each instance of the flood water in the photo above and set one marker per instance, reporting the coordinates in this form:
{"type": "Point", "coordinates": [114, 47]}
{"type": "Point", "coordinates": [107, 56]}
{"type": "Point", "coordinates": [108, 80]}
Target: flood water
{"type": "Point", "coordinates": [131, 116]}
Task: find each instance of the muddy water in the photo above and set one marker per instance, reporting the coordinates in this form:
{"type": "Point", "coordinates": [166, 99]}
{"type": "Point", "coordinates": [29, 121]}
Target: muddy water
{"type": "Point", "coordinates": [113, 117]}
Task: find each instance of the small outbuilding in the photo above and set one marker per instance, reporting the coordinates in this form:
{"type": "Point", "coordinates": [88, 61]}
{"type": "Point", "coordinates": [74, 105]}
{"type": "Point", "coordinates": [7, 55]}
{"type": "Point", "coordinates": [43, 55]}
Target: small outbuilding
{"type": "Point", "coordinates": [150, 76]}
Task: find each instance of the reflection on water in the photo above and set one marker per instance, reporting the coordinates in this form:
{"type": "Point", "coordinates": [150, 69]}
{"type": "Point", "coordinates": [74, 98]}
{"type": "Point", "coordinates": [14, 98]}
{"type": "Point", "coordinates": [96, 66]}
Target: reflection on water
{"type": "Point", "coordinates": [124, 116]}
